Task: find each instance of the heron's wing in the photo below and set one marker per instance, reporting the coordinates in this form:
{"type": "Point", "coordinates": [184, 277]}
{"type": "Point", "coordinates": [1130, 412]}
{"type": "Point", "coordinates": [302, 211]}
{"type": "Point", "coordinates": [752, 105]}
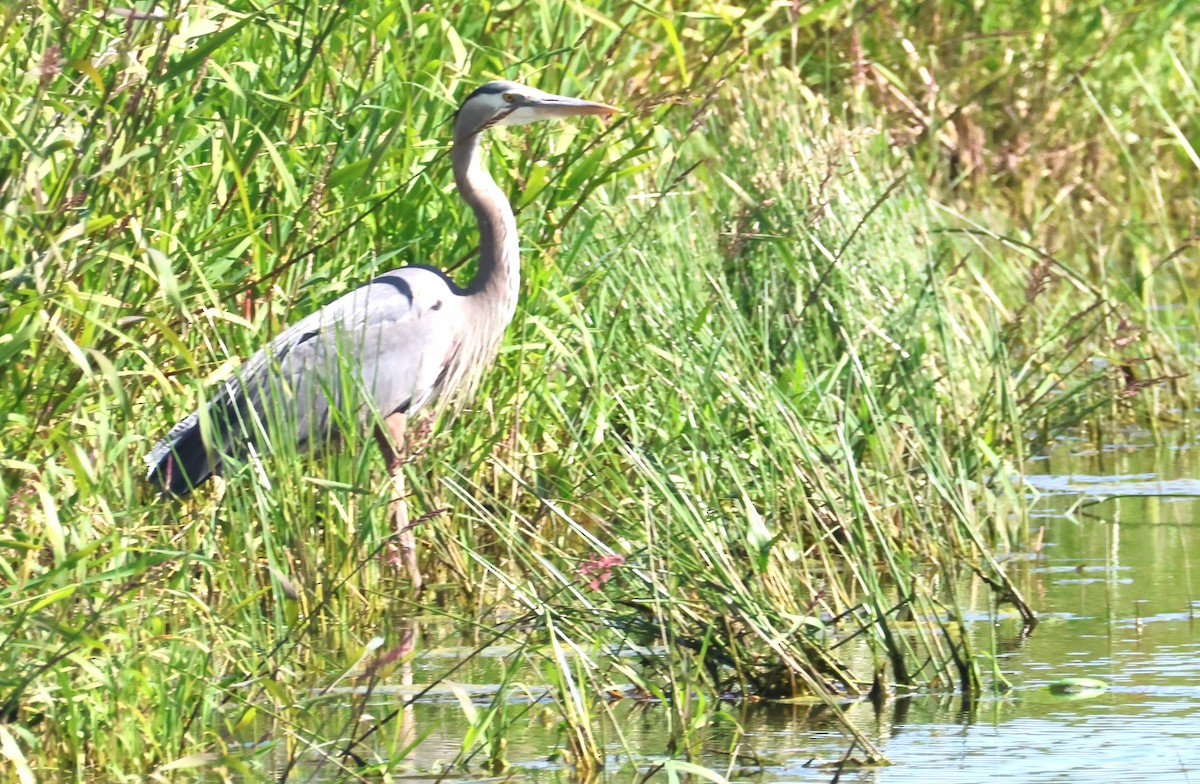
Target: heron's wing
{"type": "Point", "coordinates": [381, 347]}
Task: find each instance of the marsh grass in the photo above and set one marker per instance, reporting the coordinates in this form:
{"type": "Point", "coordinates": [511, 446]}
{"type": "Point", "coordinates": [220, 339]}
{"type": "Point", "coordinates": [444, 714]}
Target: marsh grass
{"type": "Point", "coordinates": [789, 329]}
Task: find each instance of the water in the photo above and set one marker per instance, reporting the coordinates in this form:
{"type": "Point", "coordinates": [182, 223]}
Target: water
{"type": "Point", "coordinates": [1116, 586]}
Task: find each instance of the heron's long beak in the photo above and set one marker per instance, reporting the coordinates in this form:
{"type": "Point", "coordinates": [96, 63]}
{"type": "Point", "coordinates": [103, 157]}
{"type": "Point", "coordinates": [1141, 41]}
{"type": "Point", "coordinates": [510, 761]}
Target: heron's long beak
{"type": "Point", "coordinates": [551, 107]}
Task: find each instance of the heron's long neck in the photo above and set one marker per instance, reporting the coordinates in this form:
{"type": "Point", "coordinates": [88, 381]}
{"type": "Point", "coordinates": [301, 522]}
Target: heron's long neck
{"type": "Point", "coordinates": [498, 280]}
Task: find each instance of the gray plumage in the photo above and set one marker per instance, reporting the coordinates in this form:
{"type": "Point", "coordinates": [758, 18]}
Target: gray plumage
{"type": "Point", "coordinates": [407, 338]}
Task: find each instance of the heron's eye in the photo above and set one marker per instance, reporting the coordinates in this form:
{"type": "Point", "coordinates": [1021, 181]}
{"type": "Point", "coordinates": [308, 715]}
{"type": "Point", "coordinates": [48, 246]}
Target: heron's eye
{"type": "Point", "coordinates": [509, 97]}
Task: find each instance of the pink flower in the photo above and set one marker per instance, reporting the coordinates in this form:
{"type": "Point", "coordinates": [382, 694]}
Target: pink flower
{"type": "Point", "coordinates": [600, 569]}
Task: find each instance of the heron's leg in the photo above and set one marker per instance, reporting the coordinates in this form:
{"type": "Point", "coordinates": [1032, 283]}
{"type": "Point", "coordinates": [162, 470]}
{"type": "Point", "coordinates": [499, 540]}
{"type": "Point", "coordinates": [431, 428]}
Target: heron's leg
{"type": "Point", "coordinates": [392, 446]}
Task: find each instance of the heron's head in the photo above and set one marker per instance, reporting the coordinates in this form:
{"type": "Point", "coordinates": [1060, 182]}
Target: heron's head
{"type": "Point", "coordinates": [509, 103]}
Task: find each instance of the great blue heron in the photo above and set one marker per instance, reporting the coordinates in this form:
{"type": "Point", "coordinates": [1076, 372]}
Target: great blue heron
{"type": "Point", "coordinates": [406, 339]}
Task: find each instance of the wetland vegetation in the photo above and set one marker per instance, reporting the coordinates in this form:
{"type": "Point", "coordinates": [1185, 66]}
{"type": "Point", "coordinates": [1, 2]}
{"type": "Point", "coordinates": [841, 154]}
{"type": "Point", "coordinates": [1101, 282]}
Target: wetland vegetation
{"type": "Point", "coordinates": [791, 327]}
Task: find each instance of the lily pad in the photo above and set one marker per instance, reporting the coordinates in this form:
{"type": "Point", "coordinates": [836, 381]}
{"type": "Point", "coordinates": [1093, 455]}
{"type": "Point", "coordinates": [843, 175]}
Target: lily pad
{"type": "Point", "coordinates": [1078, 686]}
